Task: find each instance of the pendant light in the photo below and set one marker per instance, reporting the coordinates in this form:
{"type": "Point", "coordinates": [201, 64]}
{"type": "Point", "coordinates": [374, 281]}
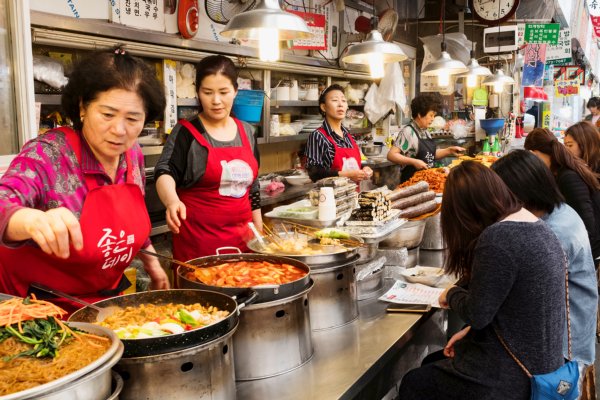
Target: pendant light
{"type": "Point", "coordinates": [498, 80]}
{"type": "Point", "coordinates": [474, 70]}
{"type": "Point", "coordinates": [374, 51]}
{"type": "Point", "coordinates": [445, 65]}
{"type": "Point", "coordinates": [268, 24]}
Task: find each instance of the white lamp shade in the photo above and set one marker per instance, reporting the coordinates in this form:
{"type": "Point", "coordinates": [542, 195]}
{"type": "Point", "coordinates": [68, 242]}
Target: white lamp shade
{"type": "Point", "coordinates": [361, 53]}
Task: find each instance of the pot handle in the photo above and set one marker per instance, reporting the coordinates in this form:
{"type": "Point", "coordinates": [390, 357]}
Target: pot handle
{"type": "Point", "coordinates": [245, 298]}
{"type": "Point", "coordinates": [235, 250]}
{"type": "Point", "coordinates": [267, 286]}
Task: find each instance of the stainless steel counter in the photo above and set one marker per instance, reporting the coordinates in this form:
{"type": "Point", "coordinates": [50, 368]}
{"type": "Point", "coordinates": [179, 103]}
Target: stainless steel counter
{"type": "Point", "coordinates": [290, 193]}
{"type": "Point", "coordinates": [350, 358]}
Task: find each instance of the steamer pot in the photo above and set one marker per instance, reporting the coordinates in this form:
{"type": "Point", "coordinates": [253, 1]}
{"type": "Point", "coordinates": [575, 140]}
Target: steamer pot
{"type": "Point", "coordinates": [203, 372]}
{"type": "Point", "coordinates": [266, 293]}
{"type": "Point", "coordinates": [273, 338]}
{"type": "Point", "coordinates": [91, 382]}
{"type": "Point", "coordinates": [408, 235]}
{"type": "Point", "coordinates": [333, 300]}
{"type": "Point", "coordinates": [432, 236]}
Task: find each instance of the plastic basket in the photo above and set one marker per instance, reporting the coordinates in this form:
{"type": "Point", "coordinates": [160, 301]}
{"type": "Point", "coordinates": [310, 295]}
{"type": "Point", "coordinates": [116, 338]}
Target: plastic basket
{"type": "Point", "coordinates": [248, 104]}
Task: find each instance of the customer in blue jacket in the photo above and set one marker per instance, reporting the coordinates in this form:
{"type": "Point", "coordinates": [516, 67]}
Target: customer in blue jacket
{"type": "Point", "coordinates": [529, 179]}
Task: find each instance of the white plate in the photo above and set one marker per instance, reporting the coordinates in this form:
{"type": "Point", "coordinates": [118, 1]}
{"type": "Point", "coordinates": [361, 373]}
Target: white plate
{"type": "Point", "coordinates": [429, 276]}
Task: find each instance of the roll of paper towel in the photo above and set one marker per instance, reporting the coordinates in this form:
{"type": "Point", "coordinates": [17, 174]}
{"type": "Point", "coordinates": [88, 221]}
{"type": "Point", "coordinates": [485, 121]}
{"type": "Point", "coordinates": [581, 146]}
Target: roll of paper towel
{"type": "Point", "coordinates": [326, 204]}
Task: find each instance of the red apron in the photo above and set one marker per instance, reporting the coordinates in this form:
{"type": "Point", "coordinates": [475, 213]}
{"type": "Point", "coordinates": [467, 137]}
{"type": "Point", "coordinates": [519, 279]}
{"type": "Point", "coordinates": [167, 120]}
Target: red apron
{"type": "Point", "coordinates": [114, 223]}
{"type": "Point", "coordinates": [218, 206]}
{"type": "Point", "coordinates": [345, 159]}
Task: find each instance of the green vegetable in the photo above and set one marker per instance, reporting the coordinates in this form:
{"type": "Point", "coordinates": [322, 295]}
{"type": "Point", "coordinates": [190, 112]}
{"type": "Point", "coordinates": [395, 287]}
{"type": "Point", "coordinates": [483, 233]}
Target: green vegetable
{"type": "Point", "coordinates": [45, 335]}
{"type": "Point", "coordinates": [332, 234]}
{"type": "Point", "coordinates": [187, 318]}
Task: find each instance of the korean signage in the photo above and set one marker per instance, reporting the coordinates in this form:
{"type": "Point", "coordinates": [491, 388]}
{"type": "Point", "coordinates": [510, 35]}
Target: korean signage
{"type": "Point", "coordinates": [534, 64]}
{"type": "Point", "coordinates": [542, 33]}
{"type": "Point", "coordinates": [566, 88]}
{"type": "Point", "coordinates": [116, 249]}
{"type": "Point", "coordinates": [316, 25]}
{"type": "Point", "coordinates": [568, 72]}
{"type": "Point", "coordinates": [170, 81]}
{"type": "Point", "coordinates": [560, 53]}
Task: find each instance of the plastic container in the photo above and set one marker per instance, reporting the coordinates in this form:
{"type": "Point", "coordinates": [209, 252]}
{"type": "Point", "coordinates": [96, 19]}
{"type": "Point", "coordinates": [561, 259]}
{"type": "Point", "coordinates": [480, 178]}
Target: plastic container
{"type": "Point", "coordinates": [298, 210]}
{"type": "Point", "coordinates": [248, 104]}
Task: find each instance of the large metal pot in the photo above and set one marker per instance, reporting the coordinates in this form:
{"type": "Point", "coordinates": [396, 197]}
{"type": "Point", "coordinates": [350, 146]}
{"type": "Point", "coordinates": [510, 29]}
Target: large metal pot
{"type": "Point", "coordinates": [408, 235]}
{"type": "Point", "coordinates": [333, 300]}
{"type": "Point", "coordinates": [91, 382]}
{"type": "Point", "coordinates": [367, 252]}
{"type": "Point", "coordinates": [202, 372]}
{"type": "Point", "coordinates": [338, 255]}
{"type": "Point", "coordinates": [170, 343]}
{"type": "Point", "coordinates": [265, 293]}
{"type": "Point", "coordinates": [432, 236]}
{"type": "Point", "coordinates": [273, 338]}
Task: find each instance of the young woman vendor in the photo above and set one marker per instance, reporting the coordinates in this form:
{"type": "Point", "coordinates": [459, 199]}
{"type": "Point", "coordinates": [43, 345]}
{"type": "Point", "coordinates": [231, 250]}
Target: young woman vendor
{"type": "Point", "coordinates": [415, 149]}
{"type": "Point", "coordinates": [331, 150]}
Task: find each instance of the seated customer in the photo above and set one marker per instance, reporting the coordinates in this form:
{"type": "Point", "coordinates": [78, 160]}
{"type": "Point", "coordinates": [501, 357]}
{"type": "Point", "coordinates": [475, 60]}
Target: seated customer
{"type": "Point", "coordinates": [529, 179]}
{"type": "Point", "coordinates": [515, 269]}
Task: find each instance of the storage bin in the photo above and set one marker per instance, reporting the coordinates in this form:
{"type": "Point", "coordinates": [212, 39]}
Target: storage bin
{"type": "Point", "coordinates": [248, 104]}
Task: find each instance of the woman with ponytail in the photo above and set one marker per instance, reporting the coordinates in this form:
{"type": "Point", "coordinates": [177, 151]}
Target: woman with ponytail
{"type": "Point", "coordinates": [576, 181]}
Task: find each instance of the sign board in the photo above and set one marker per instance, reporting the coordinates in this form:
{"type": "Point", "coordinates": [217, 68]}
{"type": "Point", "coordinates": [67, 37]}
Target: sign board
{"type": "Point", "coordinates": [169, 73]}
{"type": "Point", "coordinates": [541, 33]}
{"type": "Point", "coordinates": [316, 24]}
{"type": "Point", "coordinates": [568, 72]}
{"type": "Point", "coordinates": [534, 64]}
{"type": "Point", "coordinates": [560, 54]}
{"type": "Point", "coordinates": [566, 88]}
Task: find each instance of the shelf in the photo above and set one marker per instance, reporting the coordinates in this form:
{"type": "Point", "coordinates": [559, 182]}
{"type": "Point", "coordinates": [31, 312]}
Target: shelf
{"type": "Point", "coordinates": [49, 99]}
{"type": "Point", "coordinates": [360, 131]}
{"type": "Point", "coordinates": [291, 138]}
{"type": "Point", "coordinates": [294, 103]}
{"type": "Point", "coordinates": [187, 102]}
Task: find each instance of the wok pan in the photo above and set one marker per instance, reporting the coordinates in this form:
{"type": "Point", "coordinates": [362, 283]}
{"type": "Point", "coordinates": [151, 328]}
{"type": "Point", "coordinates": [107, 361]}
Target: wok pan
{"type": "Point", "coordinates": [167, 344]}
{"type": "Point", "coordinates": [266, 293]}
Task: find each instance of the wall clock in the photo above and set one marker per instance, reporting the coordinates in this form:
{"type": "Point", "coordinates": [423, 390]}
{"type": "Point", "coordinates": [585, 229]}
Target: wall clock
{"type": "Point", "coordinates": [493, 11]}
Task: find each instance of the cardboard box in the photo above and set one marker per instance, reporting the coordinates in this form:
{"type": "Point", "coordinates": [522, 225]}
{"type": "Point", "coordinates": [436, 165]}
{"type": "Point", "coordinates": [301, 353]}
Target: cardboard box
{"type": "Point", "coordinates": [96, 9]}
{"type": "Point", "coordinates": [143, 14]}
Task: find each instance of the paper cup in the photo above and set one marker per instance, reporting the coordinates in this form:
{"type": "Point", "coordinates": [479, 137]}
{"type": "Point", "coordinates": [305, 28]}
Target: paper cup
{"type": "Point", "coordinates": [326, 204]}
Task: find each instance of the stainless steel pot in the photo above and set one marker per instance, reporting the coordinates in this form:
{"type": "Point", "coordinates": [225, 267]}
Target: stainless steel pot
{"type": "Point", "coordinates": [432, 236]}
{"type": "Point", "coordinates": [371, 286]}
{"type": "Point", "coordinates": [339, 254]}
{"type": "Point", "coordinates": [432, 258]}
{"type": "Point", "coordinates": [266, 293]}
{"type": "Point", "coordinates": [333, 300]}
{"type": "Point", "coordinates": [169, 343]}
{"type": "Point", "coordinates": [367, 252]}
{"type": "Point", "coordinates": [408, 235]}
{"type": "Point", "coordinates": [273, 338]}
{"type": "Point", "coordinates": [371, 150]}
{"type": "Point", "coordinates": [90, 382]}
{"type": "Point", "coordinates": [202, 372]}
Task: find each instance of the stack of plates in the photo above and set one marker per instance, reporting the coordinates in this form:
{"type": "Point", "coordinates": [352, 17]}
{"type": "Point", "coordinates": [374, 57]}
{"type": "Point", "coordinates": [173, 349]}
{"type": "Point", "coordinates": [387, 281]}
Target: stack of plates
{"type": "Point", "coordinates": [310, 123]}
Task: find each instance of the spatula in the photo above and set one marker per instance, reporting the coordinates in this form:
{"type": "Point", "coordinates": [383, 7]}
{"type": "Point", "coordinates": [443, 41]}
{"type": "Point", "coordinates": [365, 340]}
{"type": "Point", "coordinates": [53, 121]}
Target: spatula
{"type": "Point", "coordinates": [103, 312]}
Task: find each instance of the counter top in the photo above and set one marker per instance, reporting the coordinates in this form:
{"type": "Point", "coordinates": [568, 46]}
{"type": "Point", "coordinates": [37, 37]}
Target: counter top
{"type": "Point", "coordinates": [377, 163]}
{"type": "Point", "coordinates": [346, 358]}
{"type": "Point", "coordinates": [290, 192]}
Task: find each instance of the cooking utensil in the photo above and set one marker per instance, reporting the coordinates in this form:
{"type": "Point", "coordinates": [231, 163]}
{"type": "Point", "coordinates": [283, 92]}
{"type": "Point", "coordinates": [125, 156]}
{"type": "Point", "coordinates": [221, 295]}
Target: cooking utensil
{"type": "Point", "coordinates": [171, 259]}
{"type": "Point", "coordinates": [257, 234]}
{"type": "Point", "coordinates": [266, 293]}
{"type": "Point", "coordinates": [170, 343]}
{"type": "Point", "coordinates": [102, 312]}
{"type": "Point", "coordinates": [371, 150]}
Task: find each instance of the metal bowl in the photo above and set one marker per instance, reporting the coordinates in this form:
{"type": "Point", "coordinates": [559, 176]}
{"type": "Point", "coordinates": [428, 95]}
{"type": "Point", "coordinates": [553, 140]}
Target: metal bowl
{"type": "Point", "coordinates": [90, 382]}
{"type": "Point", "coordinates": [371, 150]}
{"type": "Point", "coordinates": [408, 235]}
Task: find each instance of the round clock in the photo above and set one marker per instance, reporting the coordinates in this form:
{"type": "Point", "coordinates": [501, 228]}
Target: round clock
{"type": "Point", "coordinates": [493, 11]}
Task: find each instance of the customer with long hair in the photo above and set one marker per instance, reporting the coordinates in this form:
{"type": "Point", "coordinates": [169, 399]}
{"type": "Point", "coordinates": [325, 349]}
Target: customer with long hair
{"type": "Point", "coordinates": [515, 270]}
{"type": "Point", "coordinates": [576, 181]}
{"type": "Point", "coordinates": [583, 140]}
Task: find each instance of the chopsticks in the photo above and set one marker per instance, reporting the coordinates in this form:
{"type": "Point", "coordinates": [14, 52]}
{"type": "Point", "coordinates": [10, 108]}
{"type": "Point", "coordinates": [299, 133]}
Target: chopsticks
{"type": "Point", "coordinates": [311, 231]}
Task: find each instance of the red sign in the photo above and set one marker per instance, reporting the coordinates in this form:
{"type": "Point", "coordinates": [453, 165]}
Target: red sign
{"type": "Point", "coordinates": [317, 26]}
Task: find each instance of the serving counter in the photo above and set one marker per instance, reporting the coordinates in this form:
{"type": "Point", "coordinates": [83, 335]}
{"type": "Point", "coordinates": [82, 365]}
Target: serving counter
{"type": "Point", "coordinates": [363, 359]}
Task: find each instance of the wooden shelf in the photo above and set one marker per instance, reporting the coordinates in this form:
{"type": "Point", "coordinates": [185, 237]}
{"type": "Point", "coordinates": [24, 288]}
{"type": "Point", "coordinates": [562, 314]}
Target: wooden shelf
{"type": "Point", "coordinates": [290, 138]}
{"type": "Point", "coordinates": [187, 102]}
{"type": "Point", "coordinates": [294, 103]}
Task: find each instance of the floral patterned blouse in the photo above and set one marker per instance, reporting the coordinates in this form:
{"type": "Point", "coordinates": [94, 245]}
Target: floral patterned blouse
{"type": "Point", "coordinates": [47, 175]}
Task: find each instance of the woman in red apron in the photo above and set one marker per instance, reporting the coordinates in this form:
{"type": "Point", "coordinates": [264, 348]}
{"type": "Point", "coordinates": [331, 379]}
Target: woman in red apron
{"type": "Point", "coordinates": [330, 149]}
{"type": "Point", "coordinates": [73, 211]}
{"type": "Point", "coordinates": [414, 149]}
{"type": "Point", "coordinates": [207, 174]}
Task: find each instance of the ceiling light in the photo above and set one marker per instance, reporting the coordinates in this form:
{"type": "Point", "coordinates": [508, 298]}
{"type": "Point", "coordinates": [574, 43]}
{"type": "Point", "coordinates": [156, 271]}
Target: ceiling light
{"type": "Point", "coordinates": [498, 80]}
{"type": "Point", "coordinates": [443, 67]}
{"type": "Point", "coordinates": [260, 23]}
{"type": "Point", "coordinates": [375, 52]}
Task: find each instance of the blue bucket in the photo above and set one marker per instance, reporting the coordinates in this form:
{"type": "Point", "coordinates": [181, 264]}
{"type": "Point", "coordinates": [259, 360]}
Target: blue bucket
{"type": "Point", "coordinates": [248, 104]}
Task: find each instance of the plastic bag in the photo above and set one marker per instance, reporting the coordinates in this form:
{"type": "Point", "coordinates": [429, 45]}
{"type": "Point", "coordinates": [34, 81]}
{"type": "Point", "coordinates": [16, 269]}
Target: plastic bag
{"type": "Point", "coordinates": [392, 85]}
{"type": "Point", "coordinates": [49, 71]}
{"type": "Point", "coordinates": [376, 107]}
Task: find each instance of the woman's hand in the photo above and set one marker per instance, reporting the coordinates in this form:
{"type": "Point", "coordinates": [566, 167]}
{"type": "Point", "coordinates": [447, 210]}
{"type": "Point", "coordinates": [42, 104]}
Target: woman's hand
{"type": "Point", "coordinates": [452, 151]}
{"type": "Point", "coordinates": [176, 212]}
{"type": "Point", "coordinates": [449, 349]}
{"type": "Point", "coordinates": [157, 274]}
{"type": "Point", "coordinates": [368, 171]}
{"type": "Point", "coordinates": [443, 298]}
{"type": "Point", "coordinates": [419, 164]}
{"type": "Point", "coordinates": [53, 230]}
{"type": "Point", "coordinates": [355, 175]}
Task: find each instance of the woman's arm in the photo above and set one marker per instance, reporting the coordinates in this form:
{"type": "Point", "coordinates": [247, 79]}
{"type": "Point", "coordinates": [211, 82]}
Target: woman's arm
{"type": "Point", "coordinates": [176, 211]}
{"type": "Point", "coordinates": [154, 270]}
{"type": "Point", "coordinates": [451, 151]}
{"type": "Point", "coordinates": [396, 156]}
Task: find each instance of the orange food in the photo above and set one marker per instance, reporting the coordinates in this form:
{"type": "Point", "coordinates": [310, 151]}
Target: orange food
{"type": "Point", "coordinates": [436, 177]}
{"type": "Point", "coordinates": [246, 274]}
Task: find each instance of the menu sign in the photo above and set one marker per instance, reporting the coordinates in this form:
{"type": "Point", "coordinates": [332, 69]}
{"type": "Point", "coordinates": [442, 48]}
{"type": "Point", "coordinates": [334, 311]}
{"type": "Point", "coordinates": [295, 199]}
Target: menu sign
{"type": "Point", "coordinates": [317, 26]}
{"type": "Point", "coordinates": [560, 54]}
{"type": "Point", "coordinates": [566, 88]}
{"type": "Point", "coordinates": [542, 33]}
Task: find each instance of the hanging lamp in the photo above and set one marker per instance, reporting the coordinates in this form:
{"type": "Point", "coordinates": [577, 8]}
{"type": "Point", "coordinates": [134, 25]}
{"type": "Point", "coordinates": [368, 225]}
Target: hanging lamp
{"type": "Point", "coordinates": [268, 24]}
{"type": "Point", "coordinates": [498, 80]}
{"type": "Point", "coordinates": [374, 51]}
{"type": "Point", "coordinates": [445, 65]}
{"type": "Point", "coordinates": [474, 70]}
